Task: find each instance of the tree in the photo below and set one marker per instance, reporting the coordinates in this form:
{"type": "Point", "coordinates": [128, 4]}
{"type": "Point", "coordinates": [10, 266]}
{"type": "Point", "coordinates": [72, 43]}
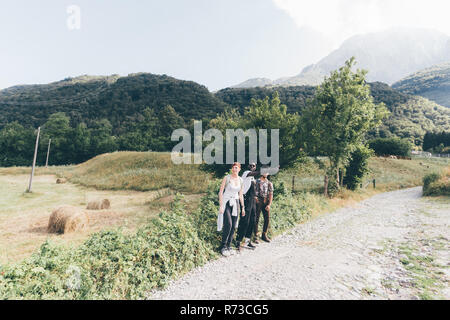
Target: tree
{"type": "Point", "coordinates": [267, 113]}
{"type": "Point", "coordinates": [102, 140]}
{"type": "Point", "coordinates": [341, 114]}
{"type": "Point", "coordinates": [16, 145]}
{"type": "Point", "coordinates": [58, 129]}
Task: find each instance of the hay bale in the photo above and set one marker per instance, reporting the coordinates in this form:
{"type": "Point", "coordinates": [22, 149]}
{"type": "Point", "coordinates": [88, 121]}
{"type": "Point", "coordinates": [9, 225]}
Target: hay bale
{"type": "Point", "coordinates": [61, 181]}
{"type": "Point", "coordinates": [67, 219]}
{"type": "Point", "coordinates": [106, 204]}
{"type": "Point", "coordinates": [97, 205]}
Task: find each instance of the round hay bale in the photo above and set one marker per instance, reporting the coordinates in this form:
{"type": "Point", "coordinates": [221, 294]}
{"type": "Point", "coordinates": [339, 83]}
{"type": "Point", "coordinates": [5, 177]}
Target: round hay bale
{"type": "Point", "coordinates": [94, 205]}
{"type": "Point", "coordinates": [106, 204]}
{"type": "Point", "coordinates": [97, 205]}
{"type": "Point", "coordinates": [67, 219]}
{"type": "Point", "coordinates": [61, 181]}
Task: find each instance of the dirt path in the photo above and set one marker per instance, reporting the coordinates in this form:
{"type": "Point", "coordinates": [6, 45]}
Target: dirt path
{"type": "Point", "coordinates": [394, 245]}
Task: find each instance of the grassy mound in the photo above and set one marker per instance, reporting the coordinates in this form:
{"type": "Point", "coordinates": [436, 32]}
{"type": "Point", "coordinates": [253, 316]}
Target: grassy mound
{"type": "Point", "coordinates": [139, 171]}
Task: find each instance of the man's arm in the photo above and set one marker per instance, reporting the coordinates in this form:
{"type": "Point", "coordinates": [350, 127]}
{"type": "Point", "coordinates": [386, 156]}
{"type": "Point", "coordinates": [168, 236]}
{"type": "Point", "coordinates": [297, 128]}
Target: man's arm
{"type": "Point", "coordinates": [253, 173]}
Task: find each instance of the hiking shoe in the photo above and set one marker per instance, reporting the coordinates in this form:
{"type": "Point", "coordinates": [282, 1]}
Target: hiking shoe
{"type": "Point", "coordinates": [264, 238]}
{"type": "Point", "coordinates": [231, 251]}
{"type": "Point", "coordinates": [224, 252]}
{"type": "Point", "coordinates": [256, 241]}
{"type": "Point", "coordinates": [251, 246]}
{"type": "Point", "coordinates": [248, 245]}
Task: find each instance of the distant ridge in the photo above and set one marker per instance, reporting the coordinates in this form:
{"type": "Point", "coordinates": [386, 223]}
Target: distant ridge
{"type": "Point", "coordinates": [432, 83]}
{"type": "Point", "coordinates": [389, 56]}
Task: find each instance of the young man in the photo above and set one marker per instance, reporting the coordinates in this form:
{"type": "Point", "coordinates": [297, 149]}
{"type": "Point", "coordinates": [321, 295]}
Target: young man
{"type": "Point", "coordinates": [264, 193]}
{"type": "Point", "coordinates": [247, 222]}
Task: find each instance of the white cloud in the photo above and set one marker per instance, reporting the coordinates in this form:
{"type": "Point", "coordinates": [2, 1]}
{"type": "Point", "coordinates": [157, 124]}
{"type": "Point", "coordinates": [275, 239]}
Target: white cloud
{"type": "Point", "coordinates": [341, 19]}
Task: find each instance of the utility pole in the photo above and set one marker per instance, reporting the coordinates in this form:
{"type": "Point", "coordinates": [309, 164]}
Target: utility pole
{"type": "Point", "coordinates": [34, 159]}
{"type": "Point", "coordinates": [48, 152]}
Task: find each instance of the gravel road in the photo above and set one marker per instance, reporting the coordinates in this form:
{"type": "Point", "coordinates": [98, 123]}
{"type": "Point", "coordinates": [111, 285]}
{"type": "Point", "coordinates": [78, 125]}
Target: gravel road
{"type": "Point", "coordinates": [368, 251]}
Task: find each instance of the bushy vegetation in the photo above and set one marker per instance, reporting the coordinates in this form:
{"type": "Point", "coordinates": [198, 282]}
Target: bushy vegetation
{"type": "Point", "coordinates": [357, 167]}
{"type": "Point", "coordinates": [436, 184]}
{"type": "Point", "coordinates": [390, 146]}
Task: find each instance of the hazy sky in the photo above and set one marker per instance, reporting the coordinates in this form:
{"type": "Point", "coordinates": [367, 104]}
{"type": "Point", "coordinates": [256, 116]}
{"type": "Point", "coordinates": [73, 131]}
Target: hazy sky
{"type": "Point", "coordinates": [217, 43]}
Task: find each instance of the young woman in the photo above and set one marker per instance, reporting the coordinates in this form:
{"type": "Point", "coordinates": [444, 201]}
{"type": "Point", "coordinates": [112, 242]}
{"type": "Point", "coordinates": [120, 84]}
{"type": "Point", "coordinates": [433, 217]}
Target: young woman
{"type": "Point", "coordinates": [230, 194]}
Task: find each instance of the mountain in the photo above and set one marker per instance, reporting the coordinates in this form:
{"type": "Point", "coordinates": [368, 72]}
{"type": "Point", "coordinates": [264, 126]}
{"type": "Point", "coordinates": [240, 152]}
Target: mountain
{"type": "Point", "coordinates": [432, 83]}
{"type": "Point", "coordinates": [255, 82]}
{"type": "Point", "coordinates": [389, 56]}
{"type": "Point", "coordinates": [121, 100]}
{"type": "Point", "coordinates": [411, 116]}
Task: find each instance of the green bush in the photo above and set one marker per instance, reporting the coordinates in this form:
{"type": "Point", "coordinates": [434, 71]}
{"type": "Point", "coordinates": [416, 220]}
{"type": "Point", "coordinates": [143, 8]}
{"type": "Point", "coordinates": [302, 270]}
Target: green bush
{"type": "Point", "coordinates": [286, 212]}
{"type": "Point", "coordinates": [357, 168]}
{"type": "Point", "coordinates": [391, 146]}
{"type": "Point", "coordinates": [435, 184]}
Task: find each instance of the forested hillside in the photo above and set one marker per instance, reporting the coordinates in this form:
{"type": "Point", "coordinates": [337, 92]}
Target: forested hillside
{"type": "Point", "coordinates": [432, 83]}
{"type": "Point", "coordinates": [120, 100]}
{"type": "Point", "coordinates": [87, 116]}
{"type": "Point", "coordinates": [411, 116]}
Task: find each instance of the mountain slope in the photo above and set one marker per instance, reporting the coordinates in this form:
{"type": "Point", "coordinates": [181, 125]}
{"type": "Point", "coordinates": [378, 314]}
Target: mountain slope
{"type": "Point", "coordinates": [411, 116]}
{"type": "Point", "coordinates": [121, 100]}
{"type": "Point", "coordinates": [389, 56]}
{"type": "Point", "coordinates": [432, 83]}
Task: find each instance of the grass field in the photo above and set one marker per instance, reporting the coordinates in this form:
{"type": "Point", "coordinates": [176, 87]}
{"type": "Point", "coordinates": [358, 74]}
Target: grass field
{"type": "Point", "coordinates": [139, 186]}
{"type": "Point", "coordinates": [389, 174]}
{"type": "Point", "coordinates": [24, 216]}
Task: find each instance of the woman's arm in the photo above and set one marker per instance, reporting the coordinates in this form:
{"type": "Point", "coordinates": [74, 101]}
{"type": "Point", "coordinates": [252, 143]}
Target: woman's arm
{"type": "Point", "coordinates": [222, 187]}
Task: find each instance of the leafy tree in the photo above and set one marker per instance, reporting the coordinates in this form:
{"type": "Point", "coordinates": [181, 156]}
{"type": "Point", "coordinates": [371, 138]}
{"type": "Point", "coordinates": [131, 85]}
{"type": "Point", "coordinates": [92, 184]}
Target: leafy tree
{"type": "Point", "coordinates": [102, 140]}
{"type": "Point", "coordinates": [267, 113]}
{"type": "Point", "coordinates": [16, 145]}
{"type": "Point", "coordinates": [58, 129]}
{"type": "Point", "coordinates": [341, 115]}
{"type": "Point", "coordinates": [357, 167]}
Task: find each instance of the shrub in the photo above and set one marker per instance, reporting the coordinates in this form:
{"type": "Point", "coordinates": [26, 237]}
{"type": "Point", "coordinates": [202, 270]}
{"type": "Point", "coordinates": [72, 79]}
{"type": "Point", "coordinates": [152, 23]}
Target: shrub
{"type": "Point", "coordinates": [391, 146]}
{"type": "Point", "coordinates": [357, 168]}
{"type": "Point", "coordinates": [288, 211]}
{"type": "Point", "coordinates": [435, 184]}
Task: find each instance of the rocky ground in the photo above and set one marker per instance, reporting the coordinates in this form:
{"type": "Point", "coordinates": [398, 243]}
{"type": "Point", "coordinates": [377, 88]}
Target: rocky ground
{"type": "Point", "coordinates": [394, 245]}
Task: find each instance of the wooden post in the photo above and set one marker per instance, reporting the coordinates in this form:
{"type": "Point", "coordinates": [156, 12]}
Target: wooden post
{"type": "Point", "coordinates": [34, 159]}
{"type": "Point", "coordinates": [293, 184]}
{"type": "Point", "coordinates": [374, 183]}
{"type": "Point", "coordinates": [48, 152]}
{"type": "Point", "coordinates": [325, 183]}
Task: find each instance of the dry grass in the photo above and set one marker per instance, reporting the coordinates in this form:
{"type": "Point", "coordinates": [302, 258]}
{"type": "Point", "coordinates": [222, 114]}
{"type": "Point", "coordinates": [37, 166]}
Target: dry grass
{"type": "Point", "coordinates": [24, 216]}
